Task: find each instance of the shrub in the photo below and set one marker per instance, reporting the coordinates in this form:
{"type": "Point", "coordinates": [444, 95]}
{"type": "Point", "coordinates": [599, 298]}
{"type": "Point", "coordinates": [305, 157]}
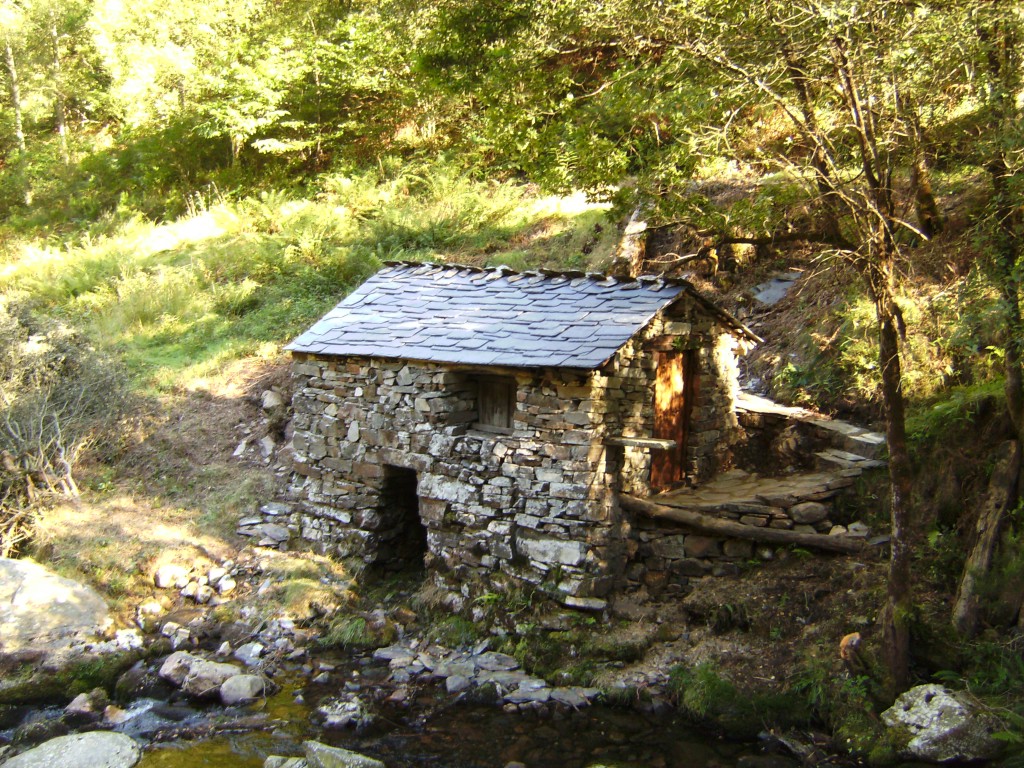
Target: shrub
{"type": "Point", "coordinates": [57, 397]}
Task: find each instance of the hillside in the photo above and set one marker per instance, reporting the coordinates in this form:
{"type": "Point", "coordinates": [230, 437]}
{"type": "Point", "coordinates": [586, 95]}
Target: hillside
{"type": "Point", "coordinates": [165, 229]}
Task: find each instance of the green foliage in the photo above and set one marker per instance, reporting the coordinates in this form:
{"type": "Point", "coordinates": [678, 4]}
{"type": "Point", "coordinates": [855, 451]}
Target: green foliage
{"type": "Point", "coordinates": [178, 299]}
{"type": "Point", "coordinates": [455, 632]}
{"type": "Point", "coordinates": [701, 691]}
{"type": "Point", "coordinates": [845, 703]}
{"type": "Point", "coordinates": [349, 632]}
{"type": "Point", "coordinates": [992, 666]}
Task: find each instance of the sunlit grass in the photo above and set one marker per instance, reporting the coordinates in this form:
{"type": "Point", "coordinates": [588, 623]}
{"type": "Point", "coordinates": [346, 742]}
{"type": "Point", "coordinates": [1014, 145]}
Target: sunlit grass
{"type": "Point", "coordinates": [177, 300]}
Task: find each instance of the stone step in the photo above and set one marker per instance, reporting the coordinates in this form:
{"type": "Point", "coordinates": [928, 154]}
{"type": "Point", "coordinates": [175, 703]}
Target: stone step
{"type": "Point", "coordinates": [835, 457]}
{"type": "Point", "coordinates": [871, 445]}
{"type": "Point", "coordinates": [849, 437]}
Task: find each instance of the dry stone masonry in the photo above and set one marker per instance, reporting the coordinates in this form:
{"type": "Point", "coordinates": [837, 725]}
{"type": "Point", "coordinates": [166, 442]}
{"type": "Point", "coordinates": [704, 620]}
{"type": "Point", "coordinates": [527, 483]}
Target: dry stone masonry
{"type": "Point", "coordinates": [484, 421]}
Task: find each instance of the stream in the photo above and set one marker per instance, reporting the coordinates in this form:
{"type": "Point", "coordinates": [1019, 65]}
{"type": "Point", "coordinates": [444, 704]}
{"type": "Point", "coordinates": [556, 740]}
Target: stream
{"type": "Point", "coordinates": [477, 737]}
{"type": "Point", "coordinates": [458, 735]}
{"type": "Point", "coordinates": [433, 728]}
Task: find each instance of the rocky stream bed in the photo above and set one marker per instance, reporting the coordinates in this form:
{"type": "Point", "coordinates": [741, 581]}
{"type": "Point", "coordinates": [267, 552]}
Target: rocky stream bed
{"type": "Point", "coordinates": [189, 687]}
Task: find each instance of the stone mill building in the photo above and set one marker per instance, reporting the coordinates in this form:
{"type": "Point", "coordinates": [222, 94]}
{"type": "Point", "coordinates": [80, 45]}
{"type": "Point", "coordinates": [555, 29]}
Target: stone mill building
{"type": "Point", "coordinates": [483, 421]}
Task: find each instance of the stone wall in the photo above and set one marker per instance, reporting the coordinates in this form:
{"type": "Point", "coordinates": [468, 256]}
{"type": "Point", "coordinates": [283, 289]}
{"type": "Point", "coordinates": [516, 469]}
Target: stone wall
{"type": "Point", "coordinates": [529, 506]}
{"type": "Point", "coordinates": [626, 385]}
{"type": "Point", "coordinates": [534, 506]}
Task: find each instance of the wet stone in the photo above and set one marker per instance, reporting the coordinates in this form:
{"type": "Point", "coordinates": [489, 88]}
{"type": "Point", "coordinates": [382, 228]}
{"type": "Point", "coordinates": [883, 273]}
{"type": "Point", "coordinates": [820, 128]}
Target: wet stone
{"type": "Point", "coordinates": [570, 697]}
{"type": "Point", "coordinates": [457, 683]}
{"type": "Point", "coordinates": [496, 662]}
{"type": "Point", "coordinates": [529, 695]}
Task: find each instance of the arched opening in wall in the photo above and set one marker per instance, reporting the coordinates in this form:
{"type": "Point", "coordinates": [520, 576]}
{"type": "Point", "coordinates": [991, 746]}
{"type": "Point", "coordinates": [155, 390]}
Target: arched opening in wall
{"type": "Point", "coordinates": [403, 538]}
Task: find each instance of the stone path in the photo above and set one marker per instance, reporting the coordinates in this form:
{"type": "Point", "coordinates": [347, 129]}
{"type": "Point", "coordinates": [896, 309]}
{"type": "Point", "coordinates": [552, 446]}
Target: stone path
{"type": "Point", "coordinates": [740, 491]}
{"type": "Point", "coordinates": [846, 437]}
{"type": "Point", "coordinates": [797, 501]}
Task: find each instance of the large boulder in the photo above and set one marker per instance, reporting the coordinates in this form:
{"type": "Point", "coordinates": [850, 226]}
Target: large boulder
{"type": "Point", "coordinates": [97, 749]}
{"type": "Point", "coordinates": [944, 726]}
{"type": "Point", "coordinates": [43, 612]}
{"type": "Point", "coordinates": [196, 676]}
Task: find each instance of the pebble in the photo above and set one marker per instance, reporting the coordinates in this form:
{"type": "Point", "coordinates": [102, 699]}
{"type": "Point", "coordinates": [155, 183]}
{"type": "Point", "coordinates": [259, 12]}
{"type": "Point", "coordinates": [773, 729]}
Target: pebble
{"type": "Point", "coordinates": [203, 594]}
{"type": "Point", "coordinates": [249, 653]}
{"type": "Point", "coordinates": [169, 575]}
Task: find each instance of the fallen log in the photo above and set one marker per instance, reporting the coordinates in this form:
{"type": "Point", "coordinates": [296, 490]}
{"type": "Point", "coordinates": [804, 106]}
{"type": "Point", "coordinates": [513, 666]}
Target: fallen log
{"type": "Point", "coordinates": [731, 529]}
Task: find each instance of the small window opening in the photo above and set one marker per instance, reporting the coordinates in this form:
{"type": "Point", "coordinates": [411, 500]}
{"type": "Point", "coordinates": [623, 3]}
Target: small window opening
{"type": "Point", "coordinates": [403, 538]}
{"type": "Point", "coordinates": [496, 404]}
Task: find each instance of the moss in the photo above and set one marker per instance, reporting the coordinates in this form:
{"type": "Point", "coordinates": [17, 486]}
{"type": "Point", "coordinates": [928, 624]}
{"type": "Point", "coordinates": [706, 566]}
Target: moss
{"type": "Point", "coordinates": [356, 633]}
{"type": "Point", "coordinates": [28, 685]}
{"type": "Point", "coordinates": [455, 631]}
{"type": "Point", "coordinates": [859, 733]}
{"type": "Point", "coordinates": [890, 744]}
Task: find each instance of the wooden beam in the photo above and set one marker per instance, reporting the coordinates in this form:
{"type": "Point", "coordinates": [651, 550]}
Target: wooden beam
{"type": "Point", "coordinates": [656, 443]}
{"type": "Point", "coordinates": [732, 529]}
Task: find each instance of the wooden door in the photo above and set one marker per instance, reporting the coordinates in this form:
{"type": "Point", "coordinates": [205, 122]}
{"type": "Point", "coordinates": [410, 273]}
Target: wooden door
{"type": "Point", "coordinates": [675, 390]}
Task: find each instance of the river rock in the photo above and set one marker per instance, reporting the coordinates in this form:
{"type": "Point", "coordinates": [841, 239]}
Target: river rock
{"type": "Point", "coordinates": [97, 749]}
{"type": "Point", "coordinates": [456, 683]}
{"type": "Point", "coordinates": [945, 726]}
{"type": "Point", "coordinates": [87, 706]}
{"type": "Point", "coordinates": [344, 711]}
{"type": "Point", "coordinates": [140, 682]}
{"type": "Point", "coordinates": [270, 400]}
{"type": "Point", "coordinates": [496, 662]}
{"type": "Point", "coordinates": [241, 689]}
{"type": "Point", "coordinates": [277, 761]}
{"type": "Point", "coordinates": [204, 593]}
{"type": "Point", "coordinates": [249, 653]}
{"type": "Point", "coordinates": [43, 612]}
{"type": "Point", "coordinates": [322, 756]}
{"type": "Point", "coordinates": [170, 575]}
{"type": "Point", "coordinates": [808, 512]}
{"type": "Point", "coordinates": [196, 676]}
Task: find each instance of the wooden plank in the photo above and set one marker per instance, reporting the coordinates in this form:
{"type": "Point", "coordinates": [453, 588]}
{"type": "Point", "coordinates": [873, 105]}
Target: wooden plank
{"type": "Point", "coordinates": [730, 529]}
{"type": "Point", "coordinates": [641, 442]}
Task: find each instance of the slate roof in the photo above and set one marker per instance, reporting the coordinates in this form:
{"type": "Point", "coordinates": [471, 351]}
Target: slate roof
{"type": "Point", "coordinates": [467, 315]}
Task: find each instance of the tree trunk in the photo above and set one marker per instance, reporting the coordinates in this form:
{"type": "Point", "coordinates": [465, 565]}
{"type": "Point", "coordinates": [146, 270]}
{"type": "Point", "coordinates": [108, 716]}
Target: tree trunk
{"type": "Point", "coordinates": [14, 89]}
{"type": "Point", "coordinates": [15, 93]}
{"type": "Point", "coordinates": [59, 106]}
{"type": "Point", "coordinates": [929, 219]}
{"type": "Point", "coordinates": [1002, 490]}
{"type": "Point", "coordinates": [876, 262]}
{"type": "Point", "coordinates": [895, 617]}
{"type": "Point", "coordinates": [719, 527]}
{"type": "Point", "coordinates": [823, 177]}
